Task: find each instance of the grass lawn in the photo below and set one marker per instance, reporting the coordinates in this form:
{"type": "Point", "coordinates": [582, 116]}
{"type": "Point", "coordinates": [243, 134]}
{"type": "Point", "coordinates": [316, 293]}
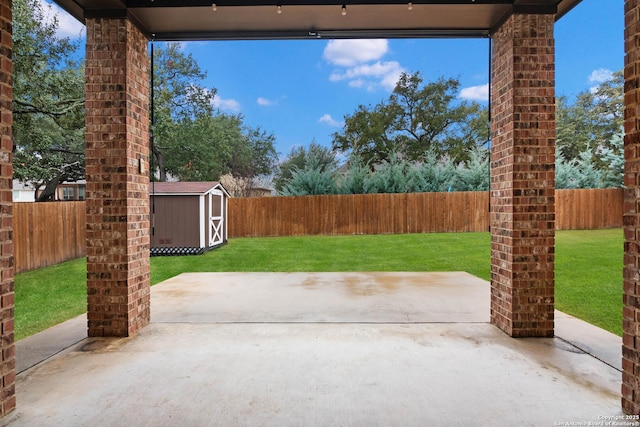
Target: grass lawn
{"type": "Point", "coordinates": [589, 276]}
{"type": "Point", "coordinates": [391, 252]}
{"type": "Point", "coordinates": [588, 269]}
{"type": "Point", "coordinates": [49, 296]}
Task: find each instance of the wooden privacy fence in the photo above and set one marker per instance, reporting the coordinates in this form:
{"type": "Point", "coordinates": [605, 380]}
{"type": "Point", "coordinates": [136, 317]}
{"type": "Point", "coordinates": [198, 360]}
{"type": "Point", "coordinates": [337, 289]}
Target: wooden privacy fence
{"type": "Point", "coordinates": [358, 214]}
{"type": "Point", "coordinates": [589, 209]}
{"type": "Point", "coordinates": [48, 233]}
{"type": "Point", "coordinates": [405, 213]}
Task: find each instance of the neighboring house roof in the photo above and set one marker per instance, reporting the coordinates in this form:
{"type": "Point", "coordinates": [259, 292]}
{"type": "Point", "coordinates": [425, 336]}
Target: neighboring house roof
{"type": "Point", "coordinates": [186, 188]}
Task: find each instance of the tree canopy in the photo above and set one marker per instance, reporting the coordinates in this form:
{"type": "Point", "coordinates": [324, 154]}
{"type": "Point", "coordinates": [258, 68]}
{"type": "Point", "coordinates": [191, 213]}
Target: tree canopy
{"type": "Point", "coordinates": [48, 105]}
{"type": "Point", "coordinates": [591, 122]}
{"type": "Point", "coordinates": [396, 175]}
{"type": "Point", "coordinates": [589, 145]}
{"type": "Point", "coordinates": [300, 158]}
{"type": "Point", "coordinates": [193, 141]}
{"type": "Point", "coordinates": [589, 131]}
{"type": "Point", "coordinates": [416, 119]}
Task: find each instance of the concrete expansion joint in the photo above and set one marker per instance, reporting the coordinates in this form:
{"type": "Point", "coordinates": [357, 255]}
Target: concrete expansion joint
{"type": "Point", "coordinates": [587, 350]}
{"type": "Point", "coordinates": [39, 361]}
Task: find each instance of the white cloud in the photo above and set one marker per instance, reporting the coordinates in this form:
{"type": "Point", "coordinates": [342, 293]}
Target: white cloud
{"type": "Point", "coordinates": [391, 77]}
{"type": "Point", "coordinates": [347, 53]}
{"type": "Point", "coordinates": [226, 104]}
{"type": "Point", "coordinates": [264, 102]}
{"type": "Point", "coordinates": [600, 75]}
{"type": "Point", "coordinates": [358, 62]}
{"type": "Point", "coordinates": [475, 93]}
{"type": "Point", "coordinates": [326, 118]}
{"type": "Point", "coordinates": [371, 76]}
{"type": "Point", "coordinates": [68, 26]}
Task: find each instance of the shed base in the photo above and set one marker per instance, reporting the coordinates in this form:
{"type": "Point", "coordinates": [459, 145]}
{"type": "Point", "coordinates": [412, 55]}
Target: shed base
{"type": "Point", "coordinates": [168, 251]}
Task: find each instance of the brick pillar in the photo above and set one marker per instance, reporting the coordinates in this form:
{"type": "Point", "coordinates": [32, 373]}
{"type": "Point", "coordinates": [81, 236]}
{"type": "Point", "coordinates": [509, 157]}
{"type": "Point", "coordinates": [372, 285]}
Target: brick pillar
{"type": "Point", "coordinates": [117, 134]}
{"type": "Point", "coordinates": [631, 272]}
{"type": "Point", "coordinates": [522, 176]}
{"type": "Point", "coordinates": [7, 346]}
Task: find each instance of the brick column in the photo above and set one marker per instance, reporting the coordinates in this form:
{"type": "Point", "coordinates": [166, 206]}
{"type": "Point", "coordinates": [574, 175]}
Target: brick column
{"type": "Point", "coordinates": [7, 346]}
{"type": "Point", "coordinates": [631, 272]}
{"type": "Point", "coordinates": [117, 134]}
{"type": "Point", "coordinates": [522, 176]}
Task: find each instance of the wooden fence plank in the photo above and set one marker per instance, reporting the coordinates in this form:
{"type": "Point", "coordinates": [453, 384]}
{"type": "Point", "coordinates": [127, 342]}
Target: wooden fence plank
{"type": "Point", "coordinates": [588, 209]}
{"type": "Point", "coordinates": [47, 233]}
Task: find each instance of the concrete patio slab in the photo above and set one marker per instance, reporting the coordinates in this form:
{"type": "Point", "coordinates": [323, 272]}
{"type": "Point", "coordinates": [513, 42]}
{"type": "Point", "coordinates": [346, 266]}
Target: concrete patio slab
{"type": "Point", "coordinates": [396, 297]}
{"type": "Point", "coordinates": [343, 349]}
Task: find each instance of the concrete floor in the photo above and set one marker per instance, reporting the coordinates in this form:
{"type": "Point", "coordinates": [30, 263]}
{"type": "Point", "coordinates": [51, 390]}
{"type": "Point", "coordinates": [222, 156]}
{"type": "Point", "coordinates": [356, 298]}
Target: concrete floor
{"type": "Point", "coordinates": [294, 349]}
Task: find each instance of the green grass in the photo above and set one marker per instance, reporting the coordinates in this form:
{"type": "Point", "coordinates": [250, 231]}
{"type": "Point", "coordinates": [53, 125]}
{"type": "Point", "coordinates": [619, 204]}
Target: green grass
{"type": "Point", "coordinates": [48, 296]}
{"type": "Point", "coordinates": [588, 269]}
{"type": "Point", "coordinates": [409, 252]}
{"type": "Point", "coordinates": [589, 276]}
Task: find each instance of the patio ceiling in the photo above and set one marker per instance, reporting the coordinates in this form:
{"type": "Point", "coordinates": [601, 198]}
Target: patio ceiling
{"type": "Point", "coordinates": [305, 19]}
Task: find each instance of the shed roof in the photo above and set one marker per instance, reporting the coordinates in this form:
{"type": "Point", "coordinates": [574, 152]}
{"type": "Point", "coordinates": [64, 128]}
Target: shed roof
{"type": "Point", "coordinates": [311, 19]}
{"type": "Point", "coordinates": [186, 188]}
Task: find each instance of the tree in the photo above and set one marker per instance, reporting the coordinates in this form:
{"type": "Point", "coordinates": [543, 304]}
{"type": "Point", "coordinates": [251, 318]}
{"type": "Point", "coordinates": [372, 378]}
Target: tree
{"type": "Point", "coordinates": [592, 121]}
{"type": "Point", "coordinates": [474, 175]}
{"type": "Point", "coordinates": [367, 134]}
{"type": "Point", "coordinates": [613, 157]}
{"type": "Point", "coordinates": [354, 181]}
{"type": "Point", "coordinates": [584, 172]}
{"type": "Point", "coordinates": [179, 101]}
{"type": "Point", "coordinates": [314, 178]}
{"type": "Point", "coordinates": [251, 164]}
{"type": "Point", "coordinates": [393, 176]}
{"type": "Point", "coordinates": [254, 154]}
{"type": "Point", "coordinates": [209, 146]}
{"type": "Point", "coordinates": [192, 140]}
{"type": "Point", "coordinates": [48, 105]}
{"type": "Point", "coordinates": [201, 148]}
{"type": "Point", "coordinates": [417, 118]}
{"type": "Point", "coordinates": [579, 173]}
{"type": "Point", "coordinates": [427, 118]}
{"type": "Point", "coordinates": [298, 159]}
{"type": "Point", "coordinates": [437, 173]}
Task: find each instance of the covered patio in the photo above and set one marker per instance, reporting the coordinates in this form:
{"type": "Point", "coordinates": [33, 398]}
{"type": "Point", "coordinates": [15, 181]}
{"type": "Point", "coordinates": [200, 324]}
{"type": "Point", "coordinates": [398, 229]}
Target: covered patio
{"type": "Point", "coordinates": [284, 349]}
{"type": "Point", "coordinates": [520, 298]}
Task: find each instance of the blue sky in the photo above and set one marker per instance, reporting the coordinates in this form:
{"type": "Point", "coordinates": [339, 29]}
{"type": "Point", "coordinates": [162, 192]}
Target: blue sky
{"type": "Point", "coordinates": [301, 90]}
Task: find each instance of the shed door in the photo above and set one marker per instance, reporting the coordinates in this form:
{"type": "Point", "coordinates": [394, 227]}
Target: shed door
{"type": "Point", "coordinates": [216, 220]}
